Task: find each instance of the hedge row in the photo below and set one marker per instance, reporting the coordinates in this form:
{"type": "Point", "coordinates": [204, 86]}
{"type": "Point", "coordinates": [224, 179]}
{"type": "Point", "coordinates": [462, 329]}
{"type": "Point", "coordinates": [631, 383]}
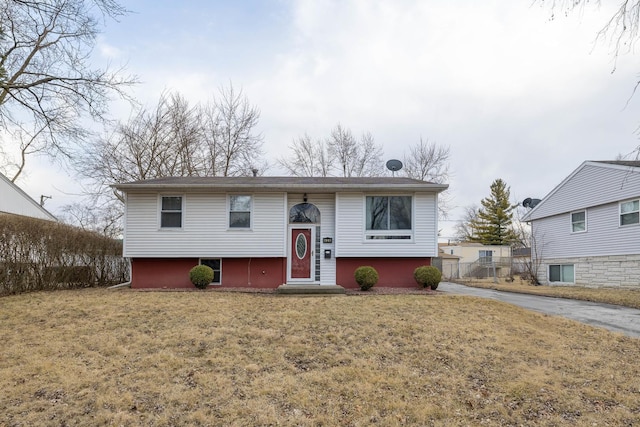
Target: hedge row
{"type": "Point", "coordinates": [44, 255]}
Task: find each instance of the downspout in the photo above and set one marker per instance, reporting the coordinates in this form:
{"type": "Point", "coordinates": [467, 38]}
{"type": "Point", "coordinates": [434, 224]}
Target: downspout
{"type": "Point", "coordinates": [124, 284]}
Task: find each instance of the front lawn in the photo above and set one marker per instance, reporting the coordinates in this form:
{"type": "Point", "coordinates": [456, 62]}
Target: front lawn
{"type": "Point", "coordinates": [99, 357]}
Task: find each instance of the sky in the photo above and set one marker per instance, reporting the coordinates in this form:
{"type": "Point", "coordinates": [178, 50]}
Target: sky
{"type": "Point", "coordinates": [513, 92]}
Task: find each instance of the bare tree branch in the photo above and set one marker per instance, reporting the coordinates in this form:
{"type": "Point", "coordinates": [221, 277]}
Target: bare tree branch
{"type": "Point", "coordinates": [48, 83]}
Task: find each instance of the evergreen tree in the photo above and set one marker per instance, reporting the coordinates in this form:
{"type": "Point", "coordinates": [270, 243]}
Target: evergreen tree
{"type": "Point", "coordinates": [493, 223]}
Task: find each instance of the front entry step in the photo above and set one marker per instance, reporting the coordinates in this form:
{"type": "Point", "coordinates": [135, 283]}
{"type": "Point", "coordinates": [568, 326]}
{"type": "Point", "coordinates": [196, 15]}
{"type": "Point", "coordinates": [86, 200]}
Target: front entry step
{"type": "Point", "coordinates": [310, 290]}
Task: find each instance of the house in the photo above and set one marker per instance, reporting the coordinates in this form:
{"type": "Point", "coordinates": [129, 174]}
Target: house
{"type": "Point", "coordinates": [450, 265]}
{"type": "Point", "coordinates": [15, 201]}
{"type": "Point", "coordinates": [267, 231]}
{"type": "Point", "coordinates": [586, 231]}
{"type": "Point", "coordinates": [478, 260]}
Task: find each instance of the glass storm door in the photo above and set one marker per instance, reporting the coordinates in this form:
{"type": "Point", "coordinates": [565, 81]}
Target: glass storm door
{"type": "Point", "coordinates": [301, 253]}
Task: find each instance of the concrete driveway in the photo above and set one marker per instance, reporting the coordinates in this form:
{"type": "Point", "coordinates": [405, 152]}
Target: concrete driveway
{"type": "Point", "coordinates": [612, 317]}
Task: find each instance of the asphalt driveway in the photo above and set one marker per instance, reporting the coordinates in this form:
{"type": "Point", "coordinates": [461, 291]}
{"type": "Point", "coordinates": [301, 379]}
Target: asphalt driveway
{"type": "Point", "coordinates": [612, 317]}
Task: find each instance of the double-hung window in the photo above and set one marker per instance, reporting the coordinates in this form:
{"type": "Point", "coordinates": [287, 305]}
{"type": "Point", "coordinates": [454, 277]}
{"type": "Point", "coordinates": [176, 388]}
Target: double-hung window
{"type": "Point", "coordinates": [630, 212]}
{"type": "Point", "coordinates": [579, 222]}
{"type": "Point", "coordinates": [240, 211]}
{"type": "Point", "coordinates": [388, 217]}
{"type": "Point", "coordinates": [561, 273]}
{"type": "Point", "coordinates": [171, 212]}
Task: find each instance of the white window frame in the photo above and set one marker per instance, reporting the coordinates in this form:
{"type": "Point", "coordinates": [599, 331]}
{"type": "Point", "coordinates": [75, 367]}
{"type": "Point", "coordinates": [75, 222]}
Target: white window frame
{"type": "Point", "coordinates": [574, 223]}
{"type": "Point", "coordinates": [250, 211]}
{"type": "Point", "coordinates": [219, 282]}
{"type": "Point", "coordinates": [161, 211]}
{"type": "Point", "coordinates": [620, 214]}
{"type": "Point", "coordinates": [561, 273]}
{"type": "Point", "coordinates": [389, 236]}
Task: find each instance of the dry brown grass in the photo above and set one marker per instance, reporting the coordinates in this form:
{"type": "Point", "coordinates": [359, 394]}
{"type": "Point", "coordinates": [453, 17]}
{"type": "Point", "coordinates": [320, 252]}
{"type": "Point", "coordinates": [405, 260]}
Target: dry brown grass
{"type": "Point", "coordinates": [624, 297]}
{"type": "Point", "coordinates": [97, 357]}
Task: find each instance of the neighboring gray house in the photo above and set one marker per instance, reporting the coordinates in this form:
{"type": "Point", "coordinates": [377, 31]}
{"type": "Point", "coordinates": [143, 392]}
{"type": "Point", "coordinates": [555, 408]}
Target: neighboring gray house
{"type": "Point", "coordinates": [15, 201]}
{"type": "Point", "coordinates": [586, 231]}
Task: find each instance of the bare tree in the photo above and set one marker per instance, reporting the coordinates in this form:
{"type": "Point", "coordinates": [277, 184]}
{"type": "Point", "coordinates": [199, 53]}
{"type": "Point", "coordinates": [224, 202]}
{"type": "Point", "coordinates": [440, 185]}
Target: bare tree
{"type": "Point", "coordinates": [308, 158]}
{"type": "Point", "coordinates": [48, 85]}
{"type": "Point", "coordinates": [173, 139]}
{"type": "Point", "coordinates": [621, 29]}
{"type": "Point", "coordinates": [353, 157]}
{"type": "Point", "coordinates": [463, 230]}
{"type": "Point", "coordinates": [339, 155]}
{"type": "Point", "coordinates": [230, 122]}
{"type": "Point", "coordinates": [427, 161]}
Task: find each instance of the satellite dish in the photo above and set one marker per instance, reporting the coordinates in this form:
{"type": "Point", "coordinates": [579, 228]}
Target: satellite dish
{"type": "Point", "coordinates": [530, 203]}
{"type": "Point", "coordinates": [394, 165]}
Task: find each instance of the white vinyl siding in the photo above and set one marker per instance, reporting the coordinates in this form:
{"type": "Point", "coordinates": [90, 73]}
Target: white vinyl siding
{"type": "Point", "coordinates": [554, 238]}
{"type": "Point", "coordinates": [351, 234]}
{"type": "Point", "coordinates": [15, 201]}
{"type": "Point", "coordinates": [590, 185]}
{"type": "Point", "coordinates": [326, 205]}
{"type": "Point", "coordinates": [205, 231]}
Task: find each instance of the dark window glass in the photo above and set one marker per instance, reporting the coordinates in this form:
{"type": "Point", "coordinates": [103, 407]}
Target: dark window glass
{"type": "Point", "coordinates": [388, 213]}
{"type": "Point", "coordinates": [377, 213]}
{"type": "Point", "coordinates": [171, 212]}
{"type": "Point", "coordinates": [240, 211]}
{"type": "Point", "coordinates": [215, 265]}
{"type": "Point", "coordinates": [304, 213]}
{"type": "Point", "coordinates": [240, 219]}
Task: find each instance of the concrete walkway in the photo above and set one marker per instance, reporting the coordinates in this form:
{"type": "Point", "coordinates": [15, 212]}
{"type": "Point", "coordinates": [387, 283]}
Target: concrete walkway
{"type": "Point", "coordinates": [612, 317]}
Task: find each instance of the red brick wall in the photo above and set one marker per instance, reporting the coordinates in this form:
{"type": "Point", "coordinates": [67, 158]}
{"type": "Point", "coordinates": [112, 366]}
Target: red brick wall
{"type": "Point", "coordinates": [236, 272]}
{"type": "Point", "coordinates": [392, 272]}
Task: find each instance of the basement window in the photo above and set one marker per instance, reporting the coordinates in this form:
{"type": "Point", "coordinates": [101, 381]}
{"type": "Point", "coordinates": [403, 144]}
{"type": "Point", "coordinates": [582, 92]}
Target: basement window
{"type": "Point", "coordinates": [216, 266]}
{"type": "Point", "coordinates": [561, 273]}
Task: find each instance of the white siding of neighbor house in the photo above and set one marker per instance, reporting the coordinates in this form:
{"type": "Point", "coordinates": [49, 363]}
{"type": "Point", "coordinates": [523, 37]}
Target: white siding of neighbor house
{"type": "Point", "coordinates": [350, 234]}
{"type": "Point", "coordinates": [592, 184]}
{"type": "Point", "coordinates": [205, 231]}
{"type": "Point", "coordinates": [15, 201]}
{"type": "Point", "coordinates": [326, 204]}
{"type": "Point", "coordinates": [604, 235]}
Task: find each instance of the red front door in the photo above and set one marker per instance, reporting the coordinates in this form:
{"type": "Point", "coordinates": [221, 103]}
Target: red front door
{"type": "Point", "coordinates": [301, 253]}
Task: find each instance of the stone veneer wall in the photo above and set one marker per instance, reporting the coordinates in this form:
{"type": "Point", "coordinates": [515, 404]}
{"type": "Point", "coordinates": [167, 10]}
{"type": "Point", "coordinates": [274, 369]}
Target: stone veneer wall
{"type": "Point", "coordinates": [620, 271]}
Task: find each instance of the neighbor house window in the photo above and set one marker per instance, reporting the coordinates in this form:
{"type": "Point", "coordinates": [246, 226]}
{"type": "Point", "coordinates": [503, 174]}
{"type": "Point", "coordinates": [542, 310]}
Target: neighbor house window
{"type": "Point", "coordinates": [171, 212]}
{"type": "Point", "coordinates": [561, 273]}
{"type": "Point", "coordinates": [630, 212]}
{"type": "Point", "coordinates": [216, 266]}
{"type": "Point", "coordinates": [240, 211]}
{"type": "Point", "coordinates": [579, 221]}
{"type": "Point", "coordinates": [388, 217]}
{"type": "Point", "coordinates": [485, 257]}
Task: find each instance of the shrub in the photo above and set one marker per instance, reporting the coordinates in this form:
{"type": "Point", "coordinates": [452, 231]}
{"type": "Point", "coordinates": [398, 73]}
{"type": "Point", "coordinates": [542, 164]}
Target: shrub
{"type": "Point", "coordinates": [427, 276]}
{"type": "Point", "coordinates": [201, 276]}
{"type": "Point", "coordinates": [366, 277]}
